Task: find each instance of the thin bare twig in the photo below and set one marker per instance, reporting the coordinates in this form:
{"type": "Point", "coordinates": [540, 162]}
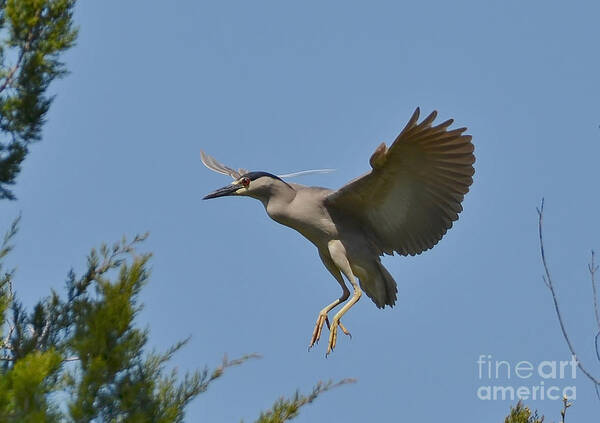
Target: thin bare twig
{"type": "Point", "coordinates": [5, 343]}
{"type": "Point", "coordinates": [548, 281]}
{"type": "Point", "coordinates": [64, 360]}
{"type": "Point", "coordinates": [13, 70]}
{"type": "Point", "coordinates": [218, 372]}
{"type": "Point", "coordinates": [563, 412]}
{"type": "Point", "coordinates": [6, 285]}
{"type": "Point", "coordinates": [593, 267]}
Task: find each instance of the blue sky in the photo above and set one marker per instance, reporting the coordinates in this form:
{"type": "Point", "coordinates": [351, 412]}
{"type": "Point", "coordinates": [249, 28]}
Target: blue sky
{"type": "Point", "coordinates": [286, 86]}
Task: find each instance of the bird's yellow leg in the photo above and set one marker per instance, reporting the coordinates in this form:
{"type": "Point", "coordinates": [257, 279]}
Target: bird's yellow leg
{"type": "Point", "coordinates": [336, 319]}
{"type": "Point", "coordinates": [338, 255]}
{"type": "Point", "coordinates": [322, 317]}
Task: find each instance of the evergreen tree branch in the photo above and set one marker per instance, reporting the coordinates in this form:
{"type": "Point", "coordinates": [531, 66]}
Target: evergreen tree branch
{"type": "Point", "coordinates": [286, 409]}
{"type": "Point", "coordinates": [522, 414]}
{"type": "Point", "coordinates": [6, 288]}
{"type": "Point", "coordinates": [37, 32]}
{"type": "Point", "coordinates": [26, 48]}
{"type": "Point", "coordinates": [220, 370]}
{"type": "Point", "coordinates": [111, 378]}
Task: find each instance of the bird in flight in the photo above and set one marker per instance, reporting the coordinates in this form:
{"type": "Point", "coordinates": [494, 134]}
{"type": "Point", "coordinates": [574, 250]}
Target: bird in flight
{"type": "Point", "coordinates": [404, 204]}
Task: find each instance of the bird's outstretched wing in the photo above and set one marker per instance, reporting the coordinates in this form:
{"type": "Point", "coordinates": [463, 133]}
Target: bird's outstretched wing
{"type": "Point", "coordinates": [414, 192]}
{"type": "Point", "coordinates": [214, 165]}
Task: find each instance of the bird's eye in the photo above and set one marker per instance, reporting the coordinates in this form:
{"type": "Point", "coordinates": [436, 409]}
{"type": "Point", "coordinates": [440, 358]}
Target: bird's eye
{"type": "Point", "coordinates": [246, 182]}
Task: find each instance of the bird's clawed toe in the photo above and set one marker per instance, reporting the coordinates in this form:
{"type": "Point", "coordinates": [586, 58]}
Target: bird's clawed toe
{"type": "Point", "coordinates": [346, 331]}
{"type": "Point", "coordinates": [333, 335]}
{"type": "Point", "coordinates": [321, 321]}
{"type": "Point", "coordinates": [332, 338]}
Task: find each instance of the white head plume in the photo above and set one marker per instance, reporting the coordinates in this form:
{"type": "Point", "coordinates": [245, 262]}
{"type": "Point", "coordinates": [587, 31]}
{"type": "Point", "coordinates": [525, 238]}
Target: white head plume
{"type": "Point", "coordinates": [306, 172]}
{"type": "Point", "coordinates": [211, 163]}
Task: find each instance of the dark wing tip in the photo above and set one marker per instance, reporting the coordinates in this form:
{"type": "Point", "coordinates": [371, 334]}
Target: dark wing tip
{"type": "Point", "coordinates": [429, 119]}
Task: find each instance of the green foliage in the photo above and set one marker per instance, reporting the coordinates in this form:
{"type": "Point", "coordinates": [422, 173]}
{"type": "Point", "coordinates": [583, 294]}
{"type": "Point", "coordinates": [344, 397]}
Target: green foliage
{"type": "Point", "coordinates": [522, 414]}
{"type": "Point", "coordinates": [6, 277]}
{"type": "Point", "coordinates": [24, 389]}
{"type": "Point", "coordinates": [26, 383]}
{"type": "Point", "coordinates": [36, 32]}
{"type": "Point", "coordinates": [87, 346]}
{"type": "Point", "coordinates": [286, 409]}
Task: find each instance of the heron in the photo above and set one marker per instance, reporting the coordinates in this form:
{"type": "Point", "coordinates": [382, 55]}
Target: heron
{"type": "Point", "coordinates": [405, 204]}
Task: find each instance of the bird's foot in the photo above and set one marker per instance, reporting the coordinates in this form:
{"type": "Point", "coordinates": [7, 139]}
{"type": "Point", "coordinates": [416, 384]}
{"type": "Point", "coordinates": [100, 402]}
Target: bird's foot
{"type": "Point", "coordinates": [333, 334]}
{"type": "Point", "coordinates": [346, 331]}
{"type": "Point", "coordinates": [321, 320]}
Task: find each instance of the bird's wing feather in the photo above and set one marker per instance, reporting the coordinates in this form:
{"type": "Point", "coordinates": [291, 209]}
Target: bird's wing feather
{"type": "Point", "coordinates": [211, 163]}
{"type": "Point", "coordinates": [415, 188]}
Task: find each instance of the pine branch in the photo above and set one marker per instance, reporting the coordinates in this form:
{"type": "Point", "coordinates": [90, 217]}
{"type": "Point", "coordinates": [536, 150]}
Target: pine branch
{"type": "Point", "coordinates": [26, 48]}
{"type": "Point", "coordinates": [36, 32]}
{"type": "Point", "coordinates": [286, 409]}
{"type": "Point", "coordinates": [521, 414]}
{"type": "Point", "coordinates": [6, 288]}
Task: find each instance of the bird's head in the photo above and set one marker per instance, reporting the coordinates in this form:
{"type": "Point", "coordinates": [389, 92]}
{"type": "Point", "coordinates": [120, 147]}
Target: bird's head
{"type": "Point", "coordinates": [259, 185]}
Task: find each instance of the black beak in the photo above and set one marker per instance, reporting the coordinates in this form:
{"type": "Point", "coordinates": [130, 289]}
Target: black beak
{"type": "Point", "coordinates": [222, 192]}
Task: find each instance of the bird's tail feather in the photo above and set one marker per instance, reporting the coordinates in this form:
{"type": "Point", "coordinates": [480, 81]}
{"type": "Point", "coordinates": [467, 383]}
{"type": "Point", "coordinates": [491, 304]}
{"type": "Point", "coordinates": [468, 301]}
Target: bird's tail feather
{"type": "Point", "coordinates": [391, 287]}
{"type": "Point", "coordinates": [379, 285]}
